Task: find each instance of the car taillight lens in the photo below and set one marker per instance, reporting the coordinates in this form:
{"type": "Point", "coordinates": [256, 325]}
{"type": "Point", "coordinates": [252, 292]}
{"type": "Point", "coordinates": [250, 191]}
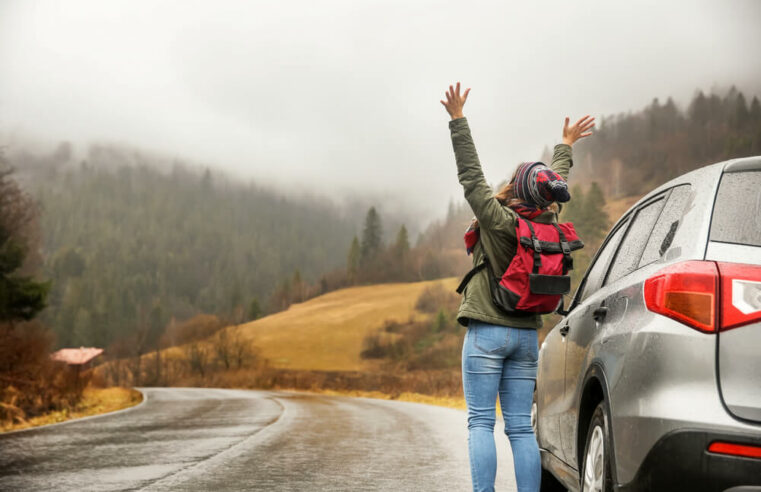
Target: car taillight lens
{"type": "Point", "coordinates": [689, 293]}
{"type": "Point", "coordinates": [685, 292]}
{"type": "Point", "coordinates": [740, 294]}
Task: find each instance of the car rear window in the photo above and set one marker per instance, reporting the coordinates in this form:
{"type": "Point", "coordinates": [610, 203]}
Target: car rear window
{"type": "Point", "coordinates": [737, 212]}
{"type": "Point", "coordinates": [629, 253]}
{"type": "Point", "coordinates": [666, 226]}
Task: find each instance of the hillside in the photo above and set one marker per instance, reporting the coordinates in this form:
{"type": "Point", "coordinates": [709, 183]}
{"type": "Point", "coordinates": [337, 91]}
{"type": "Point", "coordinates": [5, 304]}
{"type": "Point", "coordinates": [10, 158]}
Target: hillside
{"type": "Point", "coordinates": [131, 242]}
{"type": "Point", "coordinates": [326, 333]}
{"type": "Point", "coordinates": [390, 338]}
{"type": "Point", "coordinates": [634, 152]}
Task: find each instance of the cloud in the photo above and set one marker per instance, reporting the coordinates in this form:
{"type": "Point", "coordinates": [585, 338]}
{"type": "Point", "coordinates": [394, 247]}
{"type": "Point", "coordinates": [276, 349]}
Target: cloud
{"type": "Point", "coordinates": [341, 96]}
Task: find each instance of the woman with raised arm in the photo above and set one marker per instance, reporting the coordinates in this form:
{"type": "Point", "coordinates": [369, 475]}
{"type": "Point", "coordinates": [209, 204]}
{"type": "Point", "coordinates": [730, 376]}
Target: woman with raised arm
{"type": "Point", "coordinates": [500, 352]}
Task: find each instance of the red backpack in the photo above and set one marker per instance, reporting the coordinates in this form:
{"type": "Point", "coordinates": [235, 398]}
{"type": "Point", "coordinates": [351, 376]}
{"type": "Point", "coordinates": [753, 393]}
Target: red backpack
{"type": "Point", "coordinates": [537, 276]}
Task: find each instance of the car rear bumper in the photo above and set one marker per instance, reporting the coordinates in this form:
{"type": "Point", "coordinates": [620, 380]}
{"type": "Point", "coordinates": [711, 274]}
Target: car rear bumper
{"type": "Point", "coordinates": [680, 461]}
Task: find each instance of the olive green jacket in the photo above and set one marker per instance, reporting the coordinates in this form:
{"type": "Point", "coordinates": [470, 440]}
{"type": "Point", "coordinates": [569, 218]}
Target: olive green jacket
{"type": "Point", "coordinates": [497, 224]}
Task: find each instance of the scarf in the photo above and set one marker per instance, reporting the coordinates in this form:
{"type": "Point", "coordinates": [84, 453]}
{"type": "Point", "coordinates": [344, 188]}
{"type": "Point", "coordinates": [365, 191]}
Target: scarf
{"type": "Point", "coordinates": [472, 233]}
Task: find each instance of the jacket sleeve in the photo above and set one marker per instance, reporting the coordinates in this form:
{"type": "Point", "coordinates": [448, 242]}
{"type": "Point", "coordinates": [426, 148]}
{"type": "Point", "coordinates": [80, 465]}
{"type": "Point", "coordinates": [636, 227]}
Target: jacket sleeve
{"type": "Point", "coordinates": [561, 160]}
{"type": "Point", "coordinates": [489, 212]}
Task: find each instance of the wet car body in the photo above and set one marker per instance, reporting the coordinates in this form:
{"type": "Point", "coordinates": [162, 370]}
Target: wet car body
{"type": "Point", "coordinates": [680, 395]}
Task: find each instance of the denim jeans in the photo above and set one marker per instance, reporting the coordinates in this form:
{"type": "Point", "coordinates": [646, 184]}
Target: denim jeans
{"type": "Point", "coordinates": [500, 360]}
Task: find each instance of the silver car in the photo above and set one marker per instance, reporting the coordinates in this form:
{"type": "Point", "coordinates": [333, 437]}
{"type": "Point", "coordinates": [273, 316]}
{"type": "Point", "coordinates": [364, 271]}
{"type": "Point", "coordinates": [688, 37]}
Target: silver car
{"type": "Point", "coordinates": [652, 379]}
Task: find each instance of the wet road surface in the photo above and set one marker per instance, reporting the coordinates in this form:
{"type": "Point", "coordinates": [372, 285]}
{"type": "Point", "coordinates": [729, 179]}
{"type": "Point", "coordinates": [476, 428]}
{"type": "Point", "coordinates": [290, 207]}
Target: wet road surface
{"type": "Point", "coordinates": [215, 439]}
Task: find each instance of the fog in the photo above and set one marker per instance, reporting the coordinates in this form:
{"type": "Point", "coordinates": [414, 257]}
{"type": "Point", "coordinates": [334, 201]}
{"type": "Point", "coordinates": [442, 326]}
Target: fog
{"type": "Point", "coordinates": [342, 97]}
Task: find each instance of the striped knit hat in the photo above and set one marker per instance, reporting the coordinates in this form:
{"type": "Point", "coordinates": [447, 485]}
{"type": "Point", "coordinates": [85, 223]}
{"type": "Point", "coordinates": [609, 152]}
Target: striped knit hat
{"type": "Point", "coordinates": [537, 184]}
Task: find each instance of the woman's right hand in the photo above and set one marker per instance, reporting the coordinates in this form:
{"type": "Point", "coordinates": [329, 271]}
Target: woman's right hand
{"type": "Point", "coordinates": [455, 101]}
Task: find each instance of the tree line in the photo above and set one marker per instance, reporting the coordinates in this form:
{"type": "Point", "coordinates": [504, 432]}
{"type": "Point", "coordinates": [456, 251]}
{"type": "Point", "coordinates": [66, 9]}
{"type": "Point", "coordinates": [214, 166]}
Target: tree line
{"type": "Point", "coordinates": [30, 383]}
{"type": "Point", "coordinates": [370, 259]}
{"type": "Point", "coordinates": [635, 152]}
{"type": "Point", "coordinates": [128, 247]}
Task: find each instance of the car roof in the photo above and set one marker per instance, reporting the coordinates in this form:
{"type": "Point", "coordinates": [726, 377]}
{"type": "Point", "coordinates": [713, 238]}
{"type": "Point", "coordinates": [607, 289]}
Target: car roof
{"type": "Point", "coordinates": [709, 173]}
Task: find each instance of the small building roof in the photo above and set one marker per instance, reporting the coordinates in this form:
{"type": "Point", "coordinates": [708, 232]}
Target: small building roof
{"type": "Point", "coordinates": [76, 356]}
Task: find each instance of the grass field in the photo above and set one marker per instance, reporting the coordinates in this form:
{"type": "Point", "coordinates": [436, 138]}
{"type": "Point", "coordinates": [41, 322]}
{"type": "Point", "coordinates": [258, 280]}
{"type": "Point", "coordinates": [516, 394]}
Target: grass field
{"type": "Point", "coordinates": [326, 333]}
{"type": "Point", "coordinates": [95, 401]}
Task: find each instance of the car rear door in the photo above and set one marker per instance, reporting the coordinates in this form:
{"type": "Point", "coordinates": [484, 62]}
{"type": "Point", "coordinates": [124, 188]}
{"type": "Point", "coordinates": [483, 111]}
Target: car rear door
{"type": "Point", "coordinates": [735, 244]}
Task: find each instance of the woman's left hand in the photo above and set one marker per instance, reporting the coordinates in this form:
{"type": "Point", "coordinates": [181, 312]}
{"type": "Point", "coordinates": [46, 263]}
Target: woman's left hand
{"type": "Point", "coordinates": [578, 130]}
{"type": "Point", "coordinates": [455, 101]}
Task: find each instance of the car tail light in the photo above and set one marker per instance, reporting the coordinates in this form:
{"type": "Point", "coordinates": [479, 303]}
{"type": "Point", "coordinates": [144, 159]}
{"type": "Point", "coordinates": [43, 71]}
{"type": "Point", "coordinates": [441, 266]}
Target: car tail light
{"type": "Point", "coordinates": [685, 292]}
{"type": "Point", "coordinates": [740, 294]}
{"type": "Point", "coordinates": [743, 450]}
{"type": "Point", "coordinates": [694, 292]}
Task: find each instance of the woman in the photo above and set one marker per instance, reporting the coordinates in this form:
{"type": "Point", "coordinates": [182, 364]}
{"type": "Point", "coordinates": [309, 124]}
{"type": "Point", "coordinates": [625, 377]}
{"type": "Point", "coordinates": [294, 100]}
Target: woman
{"type": "Point", "coordinates": [500, 352]}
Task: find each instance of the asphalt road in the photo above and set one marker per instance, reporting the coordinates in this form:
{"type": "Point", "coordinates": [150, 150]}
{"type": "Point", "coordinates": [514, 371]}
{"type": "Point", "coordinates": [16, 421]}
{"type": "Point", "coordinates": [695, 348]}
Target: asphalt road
{"type": "Point", "coordinates": [214, 439]}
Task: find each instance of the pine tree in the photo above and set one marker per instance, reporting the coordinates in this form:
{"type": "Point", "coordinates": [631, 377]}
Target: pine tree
{"type": "Point", "coordinates": [352, 260]}
{"type": "Point", "coordinates": [572, 209]}
{"type": "Point", "coordinates": [451, 210]}
{"type": "Point", "coordinates": [402, 244]}
{"type": "Point", "coordinates": [298, 288]}
{"type": "Point", "coordinates": [371, 238]}
{"type": "Point", "coordinates": [754, 117]}
{"type": "Point", "coordinates": [741, 113]}
{"type": "Point", "coordinates": [594, 218]}
{"type": "Point", "coordinates": [400, 255]}
{"type": "Point", "coordinates": [21, 297]}
{"type": "Point", "coordinates": [755, 110]}
{"type": "Point", "coordinates": [254, 309]}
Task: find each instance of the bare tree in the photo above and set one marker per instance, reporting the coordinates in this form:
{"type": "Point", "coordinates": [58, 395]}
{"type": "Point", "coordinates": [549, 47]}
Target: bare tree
{"type": "Point", "coordinates": [242, 351]}
{"type": "Point", "coordinates": [198, 358]}
{"type": "Point", "coordinates": [223, 348]}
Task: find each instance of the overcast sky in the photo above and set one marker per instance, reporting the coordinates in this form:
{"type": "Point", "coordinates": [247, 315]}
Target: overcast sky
{"type": "Point", "coordinates": [343, 96]}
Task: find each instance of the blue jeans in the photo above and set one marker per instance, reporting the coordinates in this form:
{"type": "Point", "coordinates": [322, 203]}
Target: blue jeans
{"type": "Point", "coordinates": [500, 360]}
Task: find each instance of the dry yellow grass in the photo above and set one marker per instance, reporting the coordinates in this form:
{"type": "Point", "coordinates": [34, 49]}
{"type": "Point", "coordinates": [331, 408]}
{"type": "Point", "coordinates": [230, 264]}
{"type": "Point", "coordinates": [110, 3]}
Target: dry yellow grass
{"type": "Point", "coordinates": [441, 401]}
{"type": "Point", "coordinates": [95, 401]}
{"type": "Point", "coordinates": [326, 333]}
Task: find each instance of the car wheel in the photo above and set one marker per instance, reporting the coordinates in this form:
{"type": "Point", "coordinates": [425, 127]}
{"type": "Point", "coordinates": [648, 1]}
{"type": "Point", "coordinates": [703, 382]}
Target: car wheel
{"type": "Point", "coordinates": [595, 471]}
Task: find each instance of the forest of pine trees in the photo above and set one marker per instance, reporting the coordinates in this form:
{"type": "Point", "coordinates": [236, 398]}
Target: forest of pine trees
{"type": "Point", "coordinates": [586, 210]}
{"type": "Point", "coordinates": [129, 248]}
{"type": "Point", "coordinates": [30, 382]}
{"type": "Point", "coordinates": [632, 153]}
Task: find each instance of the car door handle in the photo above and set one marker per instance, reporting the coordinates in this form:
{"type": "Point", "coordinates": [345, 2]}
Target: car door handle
{"type": "Point", "coordinates": [564, 331]}
{"type": "Point", "coordinates": [600, 313]}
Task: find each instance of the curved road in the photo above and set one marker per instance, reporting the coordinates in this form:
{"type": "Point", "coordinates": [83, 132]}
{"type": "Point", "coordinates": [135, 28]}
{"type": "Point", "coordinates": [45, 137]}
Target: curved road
{"type": "Point", "coordinates": [215, 439]}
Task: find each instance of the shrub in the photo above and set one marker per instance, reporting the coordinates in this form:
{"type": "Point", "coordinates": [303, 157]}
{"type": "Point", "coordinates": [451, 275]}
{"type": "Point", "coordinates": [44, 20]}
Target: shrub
{"type": "Point", "coordinates": [435, 298]}
{"type": "Point", "coordinates": [30, 382]}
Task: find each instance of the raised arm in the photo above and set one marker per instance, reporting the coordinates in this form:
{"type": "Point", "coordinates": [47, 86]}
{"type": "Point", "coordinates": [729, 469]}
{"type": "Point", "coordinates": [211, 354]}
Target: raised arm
{"type": "Point", "coordinates": [478, 193]}
{"type": "Point", "coordinates": [562, 157]}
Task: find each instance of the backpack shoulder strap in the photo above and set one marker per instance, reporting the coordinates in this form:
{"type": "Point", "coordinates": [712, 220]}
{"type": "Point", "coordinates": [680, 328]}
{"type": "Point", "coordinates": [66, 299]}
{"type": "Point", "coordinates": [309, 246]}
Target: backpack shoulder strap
{"type": "Point", "coordinates": [565, 248]}
{"type": "Point", "coordinates": [535, 245]}
{"type": "Point", "coordinates": [473, 271]}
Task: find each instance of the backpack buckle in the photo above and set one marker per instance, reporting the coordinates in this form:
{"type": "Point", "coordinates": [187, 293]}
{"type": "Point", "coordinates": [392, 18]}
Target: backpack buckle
{"type": "Point", "coordinates": [537, 245]}
{"type": "Point", "coordinates": [565, 247]}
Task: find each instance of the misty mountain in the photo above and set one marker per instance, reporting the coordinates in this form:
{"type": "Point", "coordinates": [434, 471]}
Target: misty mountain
{"type": "Point", "coordinates": [632, 153]}
{"type": "Point", "coordinates": [126, 244]}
